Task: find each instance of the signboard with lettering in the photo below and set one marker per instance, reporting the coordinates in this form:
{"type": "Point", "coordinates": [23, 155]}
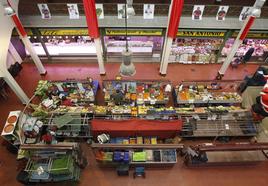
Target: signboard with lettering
{"type": "Point", "coordinates": [259, 35]}
{"type": "Point", "coordinates": [64, 32]}
{"type": "Point", "coordinates": [200, 34]}
{"type": "Point", "coordinates": [132, 32]}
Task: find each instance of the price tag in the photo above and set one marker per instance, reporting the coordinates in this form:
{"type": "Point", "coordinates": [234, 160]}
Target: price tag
{"type": "Point", "coordinates": [227, 127]}
{"type": "Point", "coordinates": [59, 87]}
{"type": "Point", "coordinates": [80, 86]}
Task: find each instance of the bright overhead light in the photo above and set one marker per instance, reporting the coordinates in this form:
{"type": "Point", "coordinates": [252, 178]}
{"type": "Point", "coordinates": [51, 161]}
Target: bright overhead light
{"type": "Point", "coordinates": [8, 10]}
{"type": "Point", "coordinates": [130, 9]}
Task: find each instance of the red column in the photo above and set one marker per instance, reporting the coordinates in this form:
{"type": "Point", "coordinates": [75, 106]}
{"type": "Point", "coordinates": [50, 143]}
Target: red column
{"type": "Point", "coordinates": [174, 19]}
{"type": "Point", "coordinates": [91, 17]}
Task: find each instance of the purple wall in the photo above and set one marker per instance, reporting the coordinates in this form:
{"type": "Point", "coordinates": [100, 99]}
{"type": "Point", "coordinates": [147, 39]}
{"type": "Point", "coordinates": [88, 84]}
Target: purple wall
{"type": "Point", "coordinates": [18, 45]}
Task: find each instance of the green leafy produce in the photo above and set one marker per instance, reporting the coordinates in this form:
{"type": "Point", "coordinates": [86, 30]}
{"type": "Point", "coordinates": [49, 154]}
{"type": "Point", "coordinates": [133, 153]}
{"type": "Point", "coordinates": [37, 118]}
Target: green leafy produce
{"type": "Point", "coordinates": [42, 88]}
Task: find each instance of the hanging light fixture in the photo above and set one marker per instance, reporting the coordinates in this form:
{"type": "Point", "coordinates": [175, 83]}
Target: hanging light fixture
{"type": "Point", "coordinates": [127, 68]}
{"type": "Point", "coordinates": [8, 10]}
{"type": "Point", "coordinates": [130, 9]}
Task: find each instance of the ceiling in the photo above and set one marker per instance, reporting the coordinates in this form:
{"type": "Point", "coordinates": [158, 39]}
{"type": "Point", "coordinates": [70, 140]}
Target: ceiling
{"type": "Point", "coordinates": [58, 7]}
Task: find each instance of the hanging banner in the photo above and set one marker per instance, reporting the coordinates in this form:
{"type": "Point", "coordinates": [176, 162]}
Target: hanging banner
{"type": "Point", "coordinates": [44, 10]}
{"type": "Point", "coordinates": [222, 13]}
{"type": "Point", "coordinates": [198, 12]}
{"type": "Point", "coordinates": [121, 8]}
{"type": "Point", "coordinates": [99, 11]}
{"type": "Point", "coordinates": [148, 11]}
{"type": "Point", "coordinates": [244, 13]}
{"type": "Point", "coordinates": [132, 32]}
{"type": "Point", "coordinates": [73, 11]}
{"type": "Point", "coordinates": [200, 34]}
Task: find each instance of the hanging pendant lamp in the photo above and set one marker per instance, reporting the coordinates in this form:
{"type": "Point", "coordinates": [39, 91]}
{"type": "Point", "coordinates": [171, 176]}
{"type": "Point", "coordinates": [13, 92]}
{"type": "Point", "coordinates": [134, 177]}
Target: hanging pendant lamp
{"type": "Point", "coordinates": [127, 68]}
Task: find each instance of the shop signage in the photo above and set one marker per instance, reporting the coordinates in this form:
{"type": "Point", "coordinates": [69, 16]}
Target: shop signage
{"type": "Point", "coordinates": [199, 34]}
{"type": "Point", "coordinates": [253, 35]}
{"type": "Point", "coordinates": [28, 31]}
{"type": "Point", "coordinates": [65, 32]}
{"type": "Point", "coordinates": [145, 32]}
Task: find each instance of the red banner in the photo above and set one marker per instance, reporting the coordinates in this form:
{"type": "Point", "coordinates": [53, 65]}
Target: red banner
{"type": "Point", "coordinates": [19, 25]}
{"type": "Point", "coordinates": [247, 27]}
{"type": "Point", "coordinates": [91, 17]}
{"type": "Point", "coordinates": [174, 18]}
{"type": "Point", "coordinates": [136, 127]}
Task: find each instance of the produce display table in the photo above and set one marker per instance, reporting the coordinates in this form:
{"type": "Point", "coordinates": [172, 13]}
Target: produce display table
{"type": "Point", "coordinates": [136, 127]}
{"type": "Point", "coordinates": [206, 93]}
{"type": "Point", "coordinates": [138, 91]}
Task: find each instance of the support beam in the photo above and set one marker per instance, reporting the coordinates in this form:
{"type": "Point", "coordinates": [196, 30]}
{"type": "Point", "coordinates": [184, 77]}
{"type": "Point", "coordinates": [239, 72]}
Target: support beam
{"type": "Point", "coordinates": [5, 36]}
{"type": "Point", "coordinates": [35, 58]}
{"type": "Point", "coordinates": [165, 58]}
{"type": "Point", "coordinates": [255, 12]}
{"type": "Point", "coordinates": [27, 42]}
{"type": "Point", "coordinates": [238, 41]}
{"type": "Point", "coordinates": [97, 42]}
{"type": "Point", "coordinates": [15, 87]}
{"type": "Point", "coordinates": [38, 34]}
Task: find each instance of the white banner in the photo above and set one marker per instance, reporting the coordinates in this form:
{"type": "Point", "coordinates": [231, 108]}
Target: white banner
{"type": "Point", "coordinates": [44, 10]}
{"type": "Point", "coordinates": [73, 11]}
{"type": "Point", "coordinates": [121, 8]}
{"type": "Point", "coordinates": [148, 11]}
{"type": "Point", "coordinates": [198, 12]}
{"type": "Point", "coordinates": [222, 13]}
{"type": "Point", "coordinates": [99, 11]}
{"type": "Point", "coordinates": [244, 13]}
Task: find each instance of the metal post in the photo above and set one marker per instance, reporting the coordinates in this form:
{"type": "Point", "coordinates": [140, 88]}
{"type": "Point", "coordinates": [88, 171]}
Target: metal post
{"type": "Point", "coordinates": [104, 49]}
{"type": "Point", "coordinates": [228, 34]}
{"type": "Point", "coordinates": [38, 34]}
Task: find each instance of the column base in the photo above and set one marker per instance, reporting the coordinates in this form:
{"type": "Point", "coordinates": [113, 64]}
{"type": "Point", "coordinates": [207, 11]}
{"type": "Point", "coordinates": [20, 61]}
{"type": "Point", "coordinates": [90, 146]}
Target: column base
{"type": "Point", "coordinates": [219, 76]}
{"type": "Point", "coordinates": [164, 75]}
{"type": "Point", "coordinates": [44, 73]}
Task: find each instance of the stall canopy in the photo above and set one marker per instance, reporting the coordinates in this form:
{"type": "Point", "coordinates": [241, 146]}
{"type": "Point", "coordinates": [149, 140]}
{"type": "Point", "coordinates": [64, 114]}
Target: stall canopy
{"type": "Point", "coordinates": [136, 127]}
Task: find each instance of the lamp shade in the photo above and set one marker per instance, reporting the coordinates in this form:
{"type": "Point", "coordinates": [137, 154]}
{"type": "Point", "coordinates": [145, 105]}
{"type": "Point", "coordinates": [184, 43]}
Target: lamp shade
{"type": "Point", "coordinates": [127, 68]}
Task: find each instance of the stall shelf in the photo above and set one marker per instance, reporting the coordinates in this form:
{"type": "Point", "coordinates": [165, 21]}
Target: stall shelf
{"type": "Point", "coordinates": [77, 127]}
{"type": "Point", "coordinates": [218, 124]}
{"type": "Point", "coordinates": [53, 163]}
{"type": "Point", "coordinates": [137, 91]}
{"type": "Point", "coordinates": [159, 154]}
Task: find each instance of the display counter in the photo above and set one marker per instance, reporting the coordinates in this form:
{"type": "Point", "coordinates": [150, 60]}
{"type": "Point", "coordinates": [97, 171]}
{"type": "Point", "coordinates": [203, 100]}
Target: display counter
{"type": "Point", "coordinates": [66, 49]}
{"type": "Point", "coordinates": [194, 51]}
{"type": "Point", "coordinates": [260, 49]}
{"type": "Point", "coordinates": [53, 94]}
{"type": "Point", "coordinates": [218, 122]}
{"type": "Point", "coordinates": [137, 47]}
{"type": "Point", "coordinates": [206, 93]}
